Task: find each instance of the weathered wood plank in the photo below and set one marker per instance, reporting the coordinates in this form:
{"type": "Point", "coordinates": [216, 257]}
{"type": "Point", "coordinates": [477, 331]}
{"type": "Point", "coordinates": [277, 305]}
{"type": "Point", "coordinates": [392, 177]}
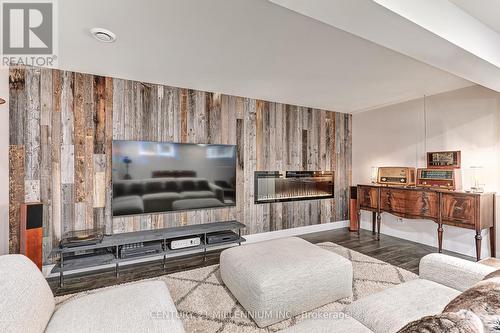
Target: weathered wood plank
{"type": "Point", "coordinates": [17, 105]}
{"type": "Point", "coordinates": [169, 108]}
{"type": "Point", "coordinates": [266, 136]}
{"type": "Point", "coordinates": [89, 181]}
{"type": "Point", "coordinates": [225, 125]}
{"type": "Point", "coordinates": [80, 216]}
{"type": "Point", "coordinates": [46, 93]}
{"type": "Point", "coordinates": [183, 115]}
{"type": "Point", "coordinates": [55, 152]}
{"type": "Point", "coordinates": [89, 104]}
{"type": "Point", "coordinates": [67, 208]}
{"type": "Point", "coordinates": [32, 130]}
{"type": "Point", "coordinates": [32, 190]}
{"type": "Point", "coordinates": [79, 137]}
{"type": "Point", "coordinates": [109, 105]}
{"type": "Point", "coordinates": [67, 116]}
{"type": "Point", "coordinates": [279, 142]}
{"type": "Point", "coordinates": [99, 190]}
{"type": "Point", "coordinates": [118, 93]}
{"type": "Point", "coordinates": [250, 164]}
{"type": "Point", "coordinates": [46, 185]}
{"type": "Point", "coordinates": [304, 149]}
{"type": "Point", "coordinates": [99, 115]}
{"type": "Point", "coordinates": [67, 164]}
{"type": "Point", "coordinates": [215, 131]}
{"type": "Point", "coordinates": [16, 193]}
{"type": "Point", "coordinates": [259, 136]}
{"type": "Point", "coordinates": [240, 167]}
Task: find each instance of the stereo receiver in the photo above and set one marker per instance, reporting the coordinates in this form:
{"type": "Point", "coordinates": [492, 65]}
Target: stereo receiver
{"type": "Point", "coordinates": [185, 243]}
{"type": "Point", "coordinates": [222, 237]}
{"type": "Point", "coordinates": [140, 249]}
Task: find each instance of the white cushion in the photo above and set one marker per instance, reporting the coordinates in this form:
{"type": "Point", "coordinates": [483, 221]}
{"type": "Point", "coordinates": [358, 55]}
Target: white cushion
{"type": "Point", "coordinates": [276, 279]}
{"type": "Point", "coordinates": [26, 301]}
{"type": "Point", "coordinates": [391, 309]}
{"type": "Point", "coordinates": [453, 272]}
{"type": "Point", "coordinates": [344, 325]}
{"type": "Point", "coordinates": [138, 307]}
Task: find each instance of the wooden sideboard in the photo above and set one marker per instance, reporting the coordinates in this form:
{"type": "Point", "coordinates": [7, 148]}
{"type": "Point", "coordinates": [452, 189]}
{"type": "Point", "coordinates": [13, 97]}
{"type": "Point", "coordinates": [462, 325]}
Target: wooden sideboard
{"type": "Point", "coordinates": [474, 211]}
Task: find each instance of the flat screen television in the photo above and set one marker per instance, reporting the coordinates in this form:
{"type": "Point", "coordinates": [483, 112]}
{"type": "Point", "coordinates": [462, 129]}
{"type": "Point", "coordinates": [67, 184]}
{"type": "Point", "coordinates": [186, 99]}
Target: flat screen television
{"type": "Point", "coordinates": [153, 177]}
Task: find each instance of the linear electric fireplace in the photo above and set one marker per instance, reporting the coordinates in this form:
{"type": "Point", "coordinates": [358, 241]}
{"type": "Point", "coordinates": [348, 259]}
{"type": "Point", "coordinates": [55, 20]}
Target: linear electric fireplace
{"type": "Point", "coordinates": [276, 186]}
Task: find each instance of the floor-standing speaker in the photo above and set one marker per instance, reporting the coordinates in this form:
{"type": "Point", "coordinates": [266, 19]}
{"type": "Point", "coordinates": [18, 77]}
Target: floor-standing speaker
{"type": "Point", "coordinates": [353, 209]}
{"type": "Point", "coordinates": [31, 232]}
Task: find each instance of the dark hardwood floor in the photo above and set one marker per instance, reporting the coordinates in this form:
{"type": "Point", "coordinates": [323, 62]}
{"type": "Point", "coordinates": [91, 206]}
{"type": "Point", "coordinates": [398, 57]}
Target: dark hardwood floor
{"type": "Point", "coordinates": [395, 251]}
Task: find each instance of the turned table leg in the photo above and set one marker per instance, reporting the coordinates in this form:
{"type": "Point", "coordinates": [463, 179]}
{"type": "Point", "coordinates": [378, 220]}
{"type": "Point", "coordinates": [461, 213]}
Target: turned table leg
{"type": "Point", "coordinates": [440, 238]}
{"type": "Point", "coordinates": [359, 220]}
{"type": "Point", "coordinates": [379, 220]}
{"type": "Point", "coordinates": [374, 222]}
{"type": "Point", "coordinates": [493, 242]}
{"type": "Point", "coordinates": [479, 238]}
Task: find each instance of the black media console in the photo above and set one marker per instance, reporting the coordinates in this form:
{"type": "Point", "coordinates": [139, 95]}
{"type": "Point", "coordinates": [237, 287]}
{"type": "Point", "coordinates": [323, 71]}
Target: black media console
{"type": "Point", "coordinates": [120, 248]}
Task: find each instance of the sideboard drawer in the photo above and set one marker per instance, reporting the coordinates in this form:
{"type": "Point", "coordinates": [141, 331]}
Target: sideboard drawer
{"type": "Point", "coordinates": [392, 200]}
{"type": "Point", "coordinates": [367, 197]}
{"type": "Point", "coordinates": [458, 208]}
{"type": "Point", "coordinates": [410, 203]}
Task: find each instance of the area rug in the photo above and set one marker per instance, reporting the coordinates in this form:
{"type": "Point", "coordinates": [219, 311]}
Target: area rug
{"type": "Point", "coordinates": [206, 305]}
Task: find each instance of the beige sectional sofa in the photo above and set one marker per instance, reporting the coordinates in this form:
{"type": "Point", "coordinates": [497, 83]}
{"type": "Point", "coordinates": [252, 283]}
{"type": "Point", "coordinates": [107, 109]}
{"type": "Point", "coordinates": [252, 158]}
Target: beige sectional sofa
{"type": "Point", "coordinates": [441, 279]}
{"type": "Point", "coordinates": [27, 305]}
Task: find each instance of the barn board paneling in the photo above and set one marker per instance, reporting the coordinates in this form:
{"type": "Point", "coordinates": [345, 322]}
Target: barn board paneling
{"type": "Point", "coordinates": [62, 125]}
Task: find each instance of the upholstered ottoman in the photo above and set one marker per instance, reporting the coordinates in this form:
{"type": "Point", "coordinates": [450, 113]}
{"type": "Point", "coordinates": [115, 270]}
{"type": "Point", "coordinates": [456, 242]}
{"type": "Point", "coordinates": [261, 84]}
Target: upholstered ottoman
{"type": "Point", "coordinates": [277, 279]}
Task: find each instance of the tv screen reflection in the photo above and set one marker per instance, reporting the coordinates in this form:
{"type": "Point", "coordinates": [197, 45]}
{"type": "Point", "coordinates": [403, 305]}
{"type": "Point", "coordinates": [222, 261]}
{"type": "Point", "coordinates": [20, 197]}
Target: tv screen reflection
{"type": "Point", "coordinates": [153, 177]}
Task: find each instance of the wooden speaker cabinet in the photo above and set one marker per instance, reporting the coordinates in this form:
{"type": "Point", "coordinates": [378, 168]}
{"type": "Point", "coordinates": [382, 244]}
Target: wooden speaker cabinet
{"type": "Point", "coordinates": [31, 232]}
{"type": "Point", "coordinates": [353, 209]}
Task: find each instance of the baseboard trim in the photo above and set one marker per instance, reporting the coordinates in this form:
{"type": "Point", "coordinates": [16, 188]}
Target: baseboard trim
{"type": "Point", "coordinates": [407, 230]}
{"type": "Point", "coordinates": [309, 229]}
{"type": "Point", "coordinates": [254, 238]}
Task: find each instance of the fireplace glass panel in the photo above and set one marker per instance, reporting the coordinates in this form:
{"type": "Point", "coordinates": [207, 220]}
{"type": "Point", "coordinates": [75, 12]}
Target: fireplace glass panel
{"type": "Point", "coordinates": [275, 186]}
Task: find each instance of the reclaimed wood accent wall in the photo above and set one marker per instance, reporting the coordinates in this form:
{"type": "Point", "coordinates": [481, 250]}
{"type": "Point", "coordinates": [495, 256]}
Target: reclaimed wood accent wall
{"type": "Point", "coordinates": [62, 125]}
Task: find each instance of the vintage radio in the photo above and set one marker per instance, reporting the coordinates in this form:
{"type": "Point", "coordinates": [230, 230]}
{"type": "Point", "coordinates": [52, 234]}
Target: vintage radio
{"type": "Point", "coordinates": [450, 179]}
{"type": "Point", "coordinates": [396, 176]}
{"type": "Point", "coordinates": [443, 160]}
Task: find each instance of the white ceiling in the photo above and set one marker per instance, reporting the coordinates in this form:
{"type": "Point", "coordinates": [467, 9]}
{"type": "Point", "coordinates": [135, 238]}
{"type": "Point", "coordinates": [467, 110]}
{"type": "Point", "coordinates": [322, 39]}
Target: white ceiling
{"type": "Point", "coordinates": [250, 48]}
{"type": "Point", "coordinates": [486, 11]}
{"type": "Point", "coordinates": [435, 32]}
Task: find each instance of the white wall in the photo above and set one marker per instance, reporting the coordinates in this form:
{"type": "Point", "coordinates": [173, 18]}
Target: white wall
{"type": "Point", "coordinates": [4, 162]}
{"type": "Point", "coordinates": [466, 119]}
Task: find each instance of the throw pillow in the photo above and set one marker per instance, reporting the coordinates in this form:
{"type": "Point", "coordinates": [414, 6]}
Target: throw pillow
{"type": "Point", "coordinates": [483, 299]}
{"type": "Point", "coordinates": [462, 321]}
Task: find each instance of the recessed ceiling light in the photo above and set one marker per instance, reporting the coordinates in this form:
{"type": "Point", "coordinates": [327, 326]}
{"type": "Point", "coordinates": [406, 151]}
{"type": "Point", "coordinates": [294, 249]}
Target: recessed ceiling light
{"type": "Point", "coordinates": [103, 35]}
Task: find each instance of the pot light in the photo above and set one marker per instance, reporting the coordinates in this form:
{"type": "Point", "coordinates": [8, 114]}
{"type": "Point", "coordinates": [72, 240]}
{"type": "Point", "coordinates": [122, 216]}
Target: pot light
{"type": "Point", "coordinates": [103, 35]}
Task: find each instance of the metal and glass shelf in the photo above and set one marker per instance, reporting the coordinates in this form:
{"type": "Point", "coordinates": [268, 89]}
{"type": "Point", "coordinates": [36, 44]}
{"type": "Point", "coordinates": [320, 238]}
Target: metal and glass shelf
{"type": "Point", "coordinates": [107, 252]}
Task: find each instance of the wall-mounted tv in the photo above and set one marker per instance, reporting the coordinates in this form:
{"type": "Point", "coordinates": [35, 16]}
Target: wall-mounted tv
{"type": "Point", "coordinates": [153, 177]}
